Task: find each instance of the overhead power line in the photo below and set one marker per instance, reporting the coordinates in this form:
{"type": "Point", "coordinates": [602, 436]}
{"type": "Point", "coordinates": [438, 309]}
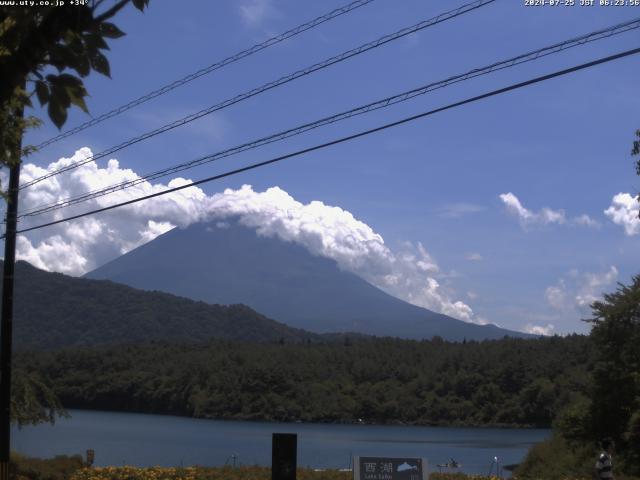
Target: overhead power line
{"type": "Point", "coordinates": [211, 68]}
{"type": "Point", "coordinates": [276, 83]}
{"type": "Point", "coordinates": [347, 138]}
{"type": "Point", "coordinates": [386, 102]}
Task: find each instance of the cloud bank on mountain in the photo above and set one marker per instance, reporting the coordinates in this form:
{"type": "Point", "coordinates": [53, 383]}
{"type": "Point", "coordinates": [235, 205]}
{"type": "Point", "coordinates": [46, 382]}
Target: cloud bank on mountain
{"type": "Point", "coordinates": [76, 247]}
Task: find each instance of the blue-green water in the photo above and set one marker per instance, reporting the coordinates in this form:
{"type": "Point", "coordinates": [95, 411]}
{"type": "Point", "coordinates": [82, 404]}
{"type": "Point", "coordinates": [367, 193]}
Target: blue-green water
{"type": "Point", "coordinates": [144, 440]}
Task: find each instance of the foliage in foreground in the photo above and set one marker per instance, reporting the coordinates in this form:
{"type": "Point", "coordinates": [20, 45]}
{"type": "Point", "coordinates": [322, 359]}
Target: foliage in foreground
{"type": "Point", "coordinates": [615, 406]}
{"type": "Point", "coordinates": [57, 468]}
{"type": "Point", "coordinates": [225, 473]}
{"type": "Point", "coordinates": [558, 459]}
{"type": "Point", "coordinates": [554, 458]}
{"type": "Point", "coordinates": [243, 473]}
{"type": "Point", "coordinates": [73, 468]}
{"type": "Point", "coordinates": [34, 42]}
{"type": "Point", "coordinates": [32, 400]}
{"type": "Point", "coordinates": [611, 407]}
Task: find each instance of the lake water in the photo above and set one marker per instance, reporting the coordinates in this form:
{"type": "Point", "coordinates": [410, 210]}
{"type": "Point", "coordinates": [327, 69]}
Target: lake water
{"type": "Point", "coordinates": [145, 440]}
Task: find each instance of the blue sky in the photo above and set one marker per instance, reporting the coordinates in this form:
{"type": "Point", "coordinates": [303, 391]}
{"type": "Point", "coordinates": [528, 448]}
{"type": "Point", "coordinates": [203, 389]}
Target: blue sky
{"type": "Point", "coordinates": [563, 145]}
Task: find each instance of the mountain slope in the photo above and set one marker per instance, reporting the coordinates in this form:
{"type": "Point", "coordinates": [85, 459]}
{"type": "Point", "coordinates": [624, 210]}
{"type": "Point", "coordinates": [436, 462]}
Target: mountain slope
{"type": "Point", "coordinates": [54, 311]}
{"type": "Point", "coordinates": [232, 264]}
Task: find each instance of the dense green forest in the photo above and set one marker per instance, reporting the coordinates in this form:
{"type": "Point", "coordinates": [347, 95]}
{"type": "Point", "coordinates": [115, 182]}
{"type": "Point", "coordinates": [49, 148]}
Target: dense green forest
{"type": "Point", "coordinates": [501, 382]}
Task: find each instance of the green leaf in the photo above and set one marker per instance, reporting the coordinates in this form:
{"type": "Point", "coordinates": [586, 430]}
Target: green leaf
{"type": "Point", "coordinates": [82, 65]}
{"type": "Point", "coordinates": [76, 95]}
{"type": "Point", "coordinates": [42, 91]}
{"type": "Point", "coordinates": [94, 41]}
{"type": "Point", "coordinates": [57, 113]}
{"type": "Point", "coordinates": [100, 64]}
{"type": "Point", "coordinates": [60, 96]}
{"type": "Point", "coordinates": [68, 80]}
{"type": "Point", "coordinates": [59, 56]}
{"type": "Point", "coordinates": [109, 30]}
{"type": "Point", "coordinates": [140, 4]}
{"type": "Point", "coordinates": [77, 47]}
{"type": "Point", "coordinates": [69, 36]}
{"type": "Point", "coordinates": [78, 101]}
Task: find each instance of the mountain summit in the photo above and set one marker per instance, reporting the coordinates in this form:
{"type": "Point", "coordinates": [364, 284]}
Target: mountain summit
{"type": "Point", "coordinates": [226, 263]}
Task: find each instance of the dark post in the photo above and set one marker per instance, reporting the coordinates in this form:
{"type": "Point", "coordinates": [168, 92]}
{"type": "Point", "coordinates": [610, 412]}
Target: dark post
{"type": "Point", "coordinates": [6, 323]}
{"type": "Point", "coordinates": [284, 456]}
{"type": "Point", "coordinates": [91, 456]}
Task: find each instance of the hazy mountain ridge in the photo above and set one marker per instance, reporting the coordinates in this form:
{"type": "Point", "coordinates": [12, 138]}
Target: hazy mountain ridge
{"type": "Point", "coordinates": [53, 310]}
{"type": "Point", "coordinates": [233, 264]}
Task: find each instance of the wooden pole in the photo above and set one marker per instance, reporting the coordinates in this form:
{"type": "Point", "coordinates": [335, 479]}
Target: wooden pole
{"type": "Point", "coordinates": [6, 322]}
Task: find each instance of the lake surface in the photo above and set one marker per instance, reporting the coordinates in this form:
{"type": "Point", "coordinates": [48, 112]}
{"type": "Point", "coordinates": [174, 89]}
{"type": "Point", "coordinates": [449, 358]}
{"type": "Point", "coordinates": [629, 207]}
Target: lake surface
{"type": "Point", "coordinates": [146, 440]}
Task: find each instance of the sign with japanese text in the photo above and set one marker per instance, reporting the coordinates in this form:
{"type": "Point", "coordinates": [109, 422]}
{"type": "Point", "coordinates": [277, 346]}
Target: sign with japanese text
{"type": "Point", "coordinates": [383, 468]}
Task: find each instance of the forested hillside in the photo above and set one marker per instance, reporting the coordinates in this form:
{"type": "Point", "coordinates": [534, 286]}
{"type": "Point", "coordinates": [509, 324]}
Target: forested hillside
{"type": "Point", "coordinates": [54, 311]}
{"type": "Point", "coordinates": [502, 382]}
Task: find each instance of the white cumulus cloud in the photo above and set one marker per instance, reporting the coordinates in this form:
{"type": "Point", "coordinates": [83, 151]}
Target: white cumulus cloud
{"type": "Point", "coordinates": [544, 216]}
{"type": "Point", "coordinates": [81, 245]}
{"type": "Point", "coordinates": [526, 216]}
{"type": "Point", "coordinates": [624, 211]}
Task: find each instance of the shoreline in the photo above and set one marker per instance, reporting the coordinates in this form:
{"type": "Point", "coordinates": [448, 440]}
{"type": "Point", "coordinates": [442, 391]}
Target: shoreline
{"type": "Point", "coordinates": [302, 422]}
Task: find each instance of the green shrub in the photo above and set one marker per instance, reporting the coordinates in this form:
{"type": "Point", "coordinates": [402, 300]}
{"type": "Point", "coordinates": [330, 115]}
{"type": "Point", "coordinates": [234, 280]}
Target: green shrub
{"type": "Point", "coordinates": [57, 468]}
{"type": "Point", "coordinates": [557, 459]}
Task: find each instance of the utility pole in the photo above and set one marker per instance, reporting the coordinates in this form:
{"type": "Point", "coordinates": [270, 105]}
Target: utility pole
{"type": "Point", "coordinates": [6, 322]}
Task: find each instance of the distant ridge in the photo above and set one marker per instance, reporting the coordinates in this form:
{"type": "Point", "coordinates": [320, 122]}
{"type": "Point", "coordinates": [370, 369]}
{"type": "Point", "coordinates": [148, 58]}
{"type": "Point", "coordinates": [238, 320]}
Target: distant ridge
{"type": "Point", "coordinates": [55, 311]}
{"type": "Point", "coordinates": [229, 263]}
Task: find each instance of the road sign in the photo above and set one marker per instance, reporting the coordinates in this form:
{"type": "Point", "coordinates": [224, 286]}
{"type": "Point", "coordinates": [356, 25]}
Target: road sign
{"type": "Point", "coordinates": [388, 468]}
